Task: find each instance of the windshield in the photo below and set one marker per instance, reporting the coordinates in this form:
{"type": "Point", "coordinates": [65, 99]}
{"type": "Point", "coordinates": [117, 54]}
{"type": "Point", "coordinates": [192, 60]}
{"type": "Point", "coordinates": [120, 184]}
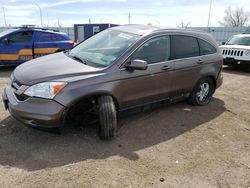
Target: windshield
{"type": "Point", "coordinates": [239, 40]}
{"type": "Point", "coordinates": [103, 48]}
{"type": "Point", "coordinates": [6, 32]}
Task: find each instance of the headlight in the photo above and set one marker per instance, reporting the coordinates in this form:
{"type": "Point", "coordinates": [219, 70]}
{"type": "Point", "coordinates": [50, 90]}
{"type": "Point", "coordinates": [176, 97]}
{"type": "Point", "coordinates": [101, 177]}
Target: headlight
{"type": "Point", "coordinates": [45, 90]}
{"type": "Point", "coordinates": [247, 52]}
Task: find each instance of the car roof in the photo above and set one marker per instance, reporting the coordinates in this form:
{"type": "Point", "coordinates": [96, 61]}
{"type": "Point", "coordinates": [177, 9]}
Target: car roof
{"type": "Point", "coordinates": [144, 30]}
{"type": "Point", "coordinates": [41, 29]}
{"type": "Point", "coordinates": [242, 35]}
{"type": "Point", "coordinates": [147, 29]}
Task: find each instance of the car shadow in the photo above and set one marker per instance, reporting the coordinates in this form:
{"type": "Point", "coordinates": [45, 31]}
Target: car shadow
{"type": "Point", "coordinates": [31, 149]}
{"type": "Point", "coordinates": [239, 69]}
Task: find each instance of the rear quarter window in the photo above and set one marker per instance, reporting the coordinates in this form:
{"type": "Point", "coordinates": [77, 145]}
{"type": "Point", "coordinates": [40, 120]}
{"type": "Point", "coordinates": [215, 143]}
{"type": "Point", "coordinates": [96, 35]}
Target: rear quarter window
{"type": "Point", "coordinates": [206, 48]}
{"type": "Point", "coordinates": [44, 37]}
{"type": "Point", "coordinates": [48, 37]}
{"type": "Point", "coordinates": [56, 37]}
{"type": "Point", "coordinates": [184, 46]}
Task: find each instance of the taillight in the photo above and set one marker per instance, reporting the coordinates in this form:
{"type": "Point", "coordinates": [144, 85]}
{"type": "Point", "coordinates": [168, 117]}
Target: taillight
{"type": "Point", "coordinates": [72, 43]}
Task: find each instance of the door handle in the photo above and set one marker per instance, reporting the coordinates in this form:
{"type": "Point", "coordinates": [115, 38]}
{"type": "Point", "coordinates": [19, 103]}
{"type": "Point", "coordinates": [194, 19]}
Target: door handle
{"type": "Point", "coordinates": [200, 61]}
{"type": "Point", "coordinates": [165, 67]}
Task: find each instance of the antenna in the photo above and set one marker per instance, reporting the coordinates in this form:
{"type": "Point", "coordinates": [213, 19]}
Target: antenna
{"type": "Point", "coordinates": [129, 18]}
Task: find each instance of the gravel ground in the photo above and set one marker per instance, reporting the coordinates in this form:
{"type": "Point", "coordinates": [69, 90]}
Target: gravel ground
{"type": "Point", "coordinates": [173, 146]}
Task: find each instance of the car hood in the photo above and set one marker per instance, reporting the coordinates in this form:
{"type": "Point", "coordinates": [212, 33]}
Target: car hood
{"type": "Point", "coordinates": [235, 46]}
{"type": "Point", "coordinates": [51, 67]}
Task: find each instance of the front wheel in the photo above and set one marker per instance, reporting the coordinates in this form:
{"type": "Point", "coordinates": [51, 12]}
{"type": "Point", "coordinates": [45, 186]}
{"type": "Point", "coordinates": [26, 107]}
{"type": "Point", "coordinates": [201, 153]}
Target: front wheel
{"type": "Point", "coordinates": [107, 116]}
{"type": "Point", "coordinates": [202, 93]}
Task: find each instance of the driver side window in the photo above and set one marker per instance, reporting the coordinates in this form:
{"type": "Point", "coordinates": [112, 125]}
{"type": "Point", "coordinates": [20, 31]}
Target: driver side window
{"type": "Point", "coordinates": [20, 37]}
{"type": "Point", "coordinates": [153, 51]}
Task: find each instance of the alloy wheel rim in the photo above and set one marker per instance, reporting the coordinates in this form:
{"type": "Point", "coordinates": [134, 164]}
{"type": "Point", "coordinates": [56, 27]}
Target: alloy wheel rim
{"type": "Point", "coordinates": [203, 92]}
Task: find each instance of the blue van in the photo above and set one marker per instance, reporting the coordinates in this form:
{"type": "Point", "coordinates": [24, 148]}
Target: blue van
{"type": "Point", "coordinates": [22, 44]}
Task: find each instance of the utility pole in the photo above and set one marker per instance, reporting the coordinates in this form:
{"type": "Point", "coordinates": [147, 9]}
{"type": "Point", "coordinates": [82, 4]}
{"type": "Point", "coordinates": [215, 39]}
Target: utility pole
{"type": "Point", "coordinates": [58, 22]}
{"type": "Point", "coordinates": [47, 19]}
{"type": "Point", "coordinates": [209, 13]}
{"type": "Point", "coordinates": [41, 16]}
{"type": "Point", "coordinates": [4, 17]}
{"type": "Point", "coordinates": [182, 24]}
{"type": "Point", "coordinates": [129, 17]}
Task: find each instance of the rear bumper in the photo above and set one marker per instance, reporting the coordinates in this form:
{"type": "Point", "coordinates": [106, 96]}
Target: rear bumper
{"type": "Point", "coordinates": [35, 112]}
{"type": "Point", "coordinates": [219, 81]}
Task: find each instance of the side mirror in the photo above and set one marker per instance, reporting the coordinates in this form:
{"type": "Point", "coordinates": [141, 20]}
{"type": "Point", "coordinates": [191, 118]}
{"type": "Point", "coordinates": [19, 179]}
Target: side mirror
{"type": "Point", "coordinates": [137, 64]}
{"type": "Point", "coordinates": [223, 43]}
{"type": "Point", "coordinates": [5, 41]}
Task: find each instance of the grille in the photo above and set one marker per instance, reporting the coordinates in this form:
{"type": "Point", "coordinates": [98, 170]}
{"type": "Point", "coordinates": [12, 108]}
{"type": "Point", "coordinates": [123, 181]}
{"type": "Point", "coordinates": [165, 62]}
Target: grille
{"type": "Point", "coordinates": [19, 96]}
{"type": "Point", "coordinates": [16, 85]}
{"type": "Point", "coordinates": [233, 52]}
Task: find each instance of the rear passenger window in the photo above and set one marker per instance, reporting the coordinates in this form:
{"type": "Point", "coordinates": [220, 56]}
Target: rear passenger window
{"type": "Point", "coordinates": [184, 46]}
{"type": "Point", "coordinates": [154, 50]}
{"type": "Point", "coordinates": [45, 37]}
{"type": "Point", "coordinates": [48, 37]}
{"type": "Point", "coordinates": [206, 48]}
{"type": "Point", "coordinates": [56, 37]}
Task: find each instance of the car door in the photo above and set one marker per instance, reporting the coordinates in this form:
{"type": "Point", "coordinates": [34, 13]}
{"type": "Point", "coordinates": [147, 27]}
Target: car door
{"type": "Point", "coordinates": [44, 44]}
{"type": "Point", "coordinates": [146, 86]}
{"type": "Point", "coordinates": [187, 63]}
{"type": "Point", "coordinates": [17, 47]}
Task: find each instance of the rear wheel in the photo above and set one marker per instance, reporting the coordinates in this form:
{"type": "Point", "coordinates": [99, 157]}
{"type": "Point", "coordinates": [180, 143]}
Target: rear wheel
{"type": "Point", "coordinates": [108, 118]}
{"type": "Point", "coordinates": [202, 93]}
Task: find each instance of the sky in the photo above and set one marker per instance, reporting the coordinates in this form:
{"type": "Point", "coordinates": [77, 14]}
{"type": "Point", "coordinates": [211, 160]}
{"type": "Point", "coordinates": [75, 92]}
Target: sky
{"type": "Point", "coordinates": [170, 13]}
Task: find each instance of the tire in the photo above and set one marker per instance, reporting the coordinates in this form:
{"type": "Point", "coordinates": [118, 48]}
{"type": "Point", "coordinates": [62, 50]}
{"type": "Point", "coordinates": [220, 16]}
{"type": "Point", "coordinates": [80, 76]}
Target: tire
{"type": "Point", "coordinates": [202, 92]}
{"type": "Point", "coordinates": [108, 118]}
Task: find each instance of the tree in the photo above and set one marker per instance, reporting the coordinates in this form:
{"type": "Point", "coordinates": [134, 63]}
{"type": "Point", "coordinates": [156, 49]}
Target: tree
{"type": "Point", "coordinates": [235, 18]}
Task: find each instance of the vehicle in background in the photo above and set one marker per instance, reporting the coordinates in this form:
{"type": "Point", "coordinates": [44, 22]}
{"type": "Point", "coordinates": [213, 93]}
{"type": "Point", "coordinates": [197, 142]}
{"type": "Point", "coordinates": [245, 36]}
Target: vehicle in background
{"type": "Point", "coordinates": [236, 51]}
{"type": "Point", "coordinates": [115, 70]}
{"type": "Point", "coordinates": [22, 44]}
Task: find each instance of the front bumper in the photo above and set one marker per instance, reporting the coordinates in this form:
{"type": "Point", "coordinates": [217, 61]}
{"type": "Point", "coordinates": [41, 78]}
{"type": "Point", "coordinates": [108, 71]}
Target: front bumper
{"type": "Point", "coordinates": [233, 61]}
{"type": "Point", "coordinates": [35, 112]}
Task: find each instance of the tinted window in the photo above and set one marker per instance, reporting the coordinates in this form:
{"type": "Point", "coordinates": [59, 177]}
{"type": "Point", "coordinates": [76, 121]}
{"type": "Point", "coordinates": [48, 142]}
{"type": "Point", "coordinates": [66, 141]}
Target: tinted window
{"type": "Point", "coordinates": [24, 36]}
{"type": "Point", "coordinates": [154, 50]}
{"type": "Point", "coordinates": [47, 37]}
{"type": "Point", "coordinates": [206, 48]}
{"type": "Point", "coordinates": [56, 37]}
{"type": "Point", "coordinates": [184, 46]}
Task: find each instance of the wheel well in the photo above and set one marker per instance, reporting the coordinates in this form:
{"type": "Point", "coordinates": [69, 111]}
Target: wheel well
{"type": "Point", "coordinates": [85, 104]}
{"type": "Point", "coordinates": [214, 81]}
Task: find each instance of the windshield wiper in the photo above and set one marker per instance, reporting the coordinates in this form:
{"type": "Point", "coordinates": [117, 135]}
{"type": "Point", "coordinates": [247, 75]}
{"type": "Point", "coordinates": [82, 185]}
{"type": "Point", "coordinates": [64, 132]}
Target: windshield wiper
{"type": "Point", "coordinates": [79, 59]}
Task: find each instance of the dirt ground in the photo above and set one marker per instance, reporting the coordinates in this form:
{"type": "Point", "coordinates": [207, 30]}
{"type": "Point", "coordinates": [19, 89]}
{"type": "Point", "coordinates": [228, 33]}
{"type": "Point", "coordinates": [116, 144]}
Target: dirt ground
{"type": "Point", "coordinates": [173, 146]}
